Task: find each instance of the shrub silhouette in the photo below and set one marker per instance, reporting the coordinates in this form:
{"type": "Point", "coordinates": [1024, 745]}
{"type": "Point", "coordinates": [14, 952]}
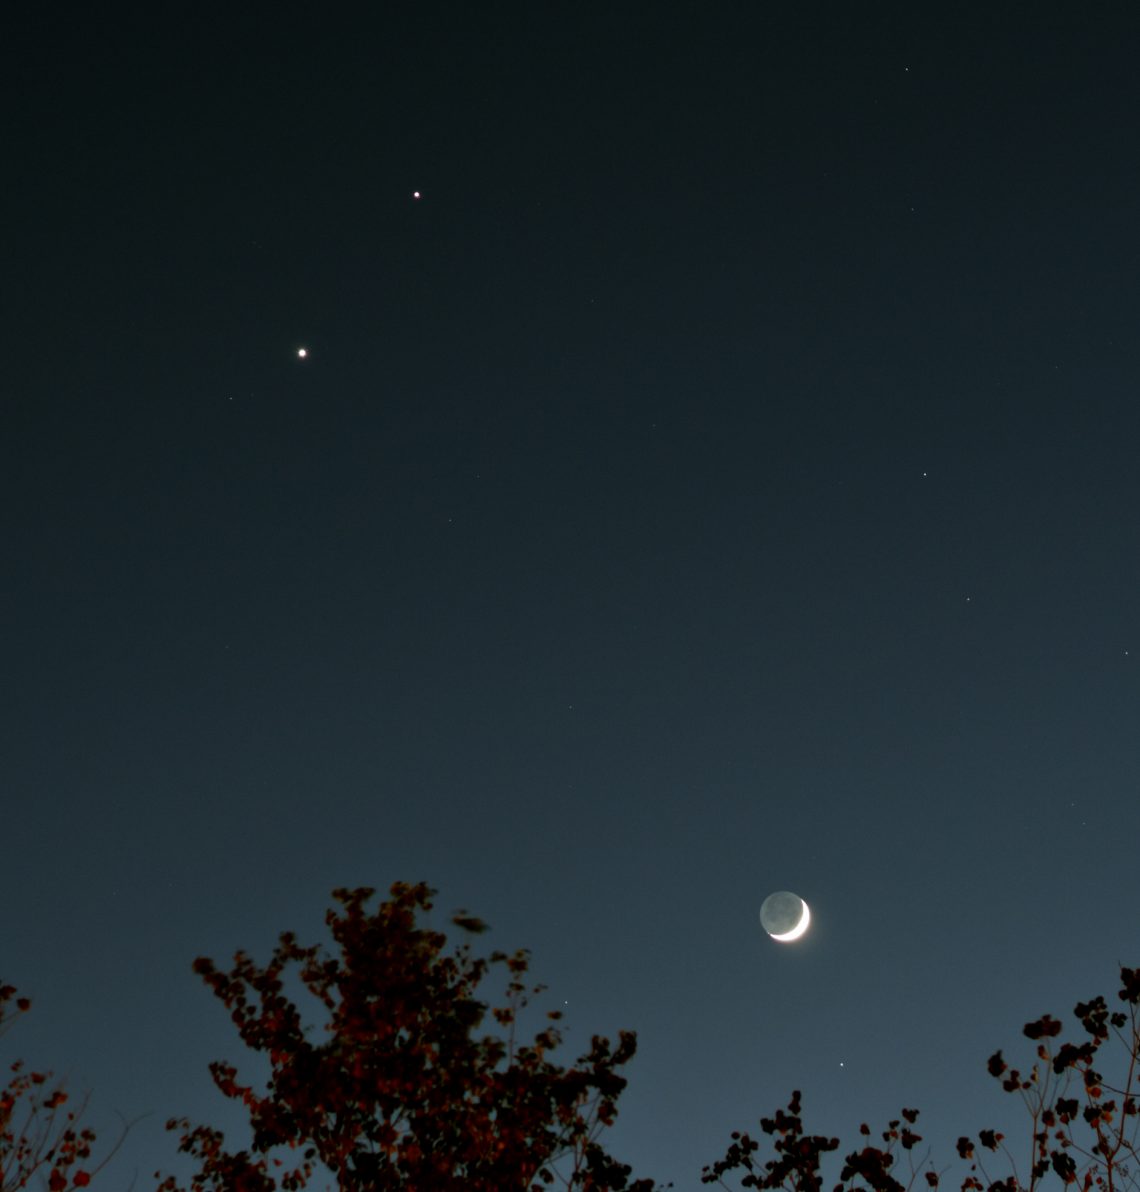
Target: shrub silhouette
{"type": "Point", "coordinates": [1084, 1127]}
{"type": "Point", "coordinates": [38, 1136]}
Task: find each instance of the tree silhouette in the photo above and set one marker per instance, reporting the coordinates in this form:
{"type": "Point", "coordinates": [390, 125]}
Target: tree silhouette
{"type": "Point", "coordinates": [403, 1092]}
{"type": "Point", "coordinates": [1084, 1132]}
{"type": "Point", "coordinates": [401, 1089]}
{"type": "Point", "coordinates": [38, 1137]}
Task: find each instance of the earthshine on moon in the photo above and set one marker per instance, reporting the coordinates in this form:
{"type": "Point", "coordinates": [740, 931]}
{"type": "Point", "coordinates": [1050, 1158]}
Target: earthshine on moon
{"type": "Point", "coordinates": [785, 916]}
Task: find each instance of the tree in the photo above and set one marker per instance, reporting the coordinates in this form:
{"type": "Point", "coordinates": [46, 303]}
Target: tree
{"type": "Point", "coordinates": [1085, 1127]}
{"type": "Point", "coordinates": [403, 1092]}
{"type": "Point", "coordinates": [37, 1135]}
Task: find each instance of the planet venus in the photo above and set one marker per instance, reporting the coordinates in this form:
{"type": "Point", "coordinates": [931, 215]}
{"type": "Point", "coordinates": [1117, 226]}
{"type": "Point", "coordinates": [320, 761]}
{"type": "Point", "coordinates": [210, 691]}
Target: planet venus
{"type": "Point", "coordinates": [785, 916]}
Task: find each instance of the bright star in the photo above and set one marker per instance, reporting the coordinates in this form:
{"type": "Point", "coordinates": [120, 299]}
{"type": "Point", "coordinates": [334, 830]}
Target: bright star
{"type": "Point", "coordinates": [302, 353]}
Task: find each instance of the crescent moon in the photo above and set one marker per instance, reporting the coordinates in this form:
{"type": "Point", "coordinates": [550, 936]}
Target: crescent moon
{"type": "Point", "coordinates": [799, 929]}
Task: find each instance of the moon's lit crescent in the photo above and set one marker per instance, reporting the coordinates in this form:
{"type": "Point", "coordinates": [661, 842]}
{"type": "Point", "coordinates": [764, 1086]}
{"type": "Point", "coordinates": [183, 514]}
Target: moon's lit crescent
{"type": "Point", "coordinates": [799, 929]}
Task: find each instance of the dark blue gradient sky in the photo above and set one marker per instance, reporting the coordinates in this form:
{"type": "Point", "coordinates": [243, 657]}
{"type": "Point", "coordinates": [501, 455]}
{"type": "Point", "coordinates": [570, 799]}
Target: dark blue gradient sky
{"type": "Point", "coordinates": [722, 480]}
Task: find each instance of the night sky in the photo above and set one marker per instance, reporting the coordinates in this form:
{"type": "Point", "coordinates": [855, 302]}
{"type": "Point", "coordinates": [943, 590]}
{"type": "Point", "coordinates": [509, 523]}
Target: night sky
{"type": "Point", "coordinates": [722, 479]}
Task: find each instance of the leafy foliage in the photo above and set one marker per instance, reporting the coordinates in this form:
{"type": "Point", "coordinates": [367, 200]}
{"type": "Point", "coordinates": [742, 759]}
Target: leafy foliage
{"type": "Point", "coordinates": [400, 1088]}
{"type": "Point", "coordinates": [38, 1137]}
{"type": "Point", "coordinates": [1085, 1129]}
{"type": "Point", "coordinates": [403, 1092]}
